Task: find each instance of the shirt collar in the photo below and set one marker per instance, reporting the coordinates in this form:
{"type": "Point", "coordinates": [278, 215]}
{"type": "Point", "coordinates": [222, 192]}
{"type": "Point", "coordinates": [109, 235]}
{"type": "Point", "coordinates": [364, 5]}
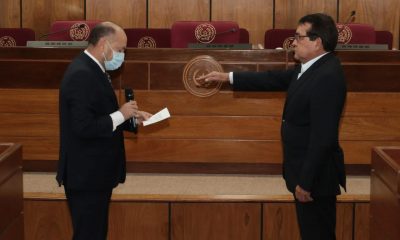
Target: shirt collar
{"type": "Point", "coordinates": [95, 60]}
{"type": "Point", "coordinates": [307, 65]}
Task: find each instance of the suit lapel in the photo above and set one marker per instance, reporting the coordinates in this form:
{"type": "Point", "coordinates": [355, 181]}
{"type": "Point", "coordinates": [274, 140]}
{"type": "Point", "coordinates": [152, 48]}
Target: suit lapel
{"type": "Point", "coordinates": [306, 76]}
{"type": "Point", "coordinates": [103, 79]}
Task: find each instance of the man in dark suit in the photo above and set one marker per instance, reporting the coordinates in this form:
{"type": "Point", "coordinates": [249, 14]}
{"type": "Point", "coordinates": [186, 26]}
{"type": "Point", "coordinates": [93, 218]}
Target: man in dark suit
{"type": "Point", "coordinates": [92, 154]}
{"type": "Point", "coordinates": [313, 166]}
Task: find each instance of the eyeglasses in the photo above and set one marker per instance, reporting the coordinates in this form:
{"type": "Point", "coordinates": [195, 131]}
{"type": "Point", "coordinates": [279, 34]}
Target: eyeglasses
{"type": "Point", "coordinates": [299, 37]}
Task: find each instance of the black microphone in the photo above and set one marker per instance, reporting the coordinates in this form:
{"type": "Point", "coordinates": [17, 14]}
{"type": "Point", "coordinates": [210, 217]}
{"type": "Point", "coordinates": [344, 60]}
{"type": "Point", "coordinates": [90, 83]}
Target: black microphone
{"type": "Point", "coordinates": [348, 20]}
{"type": "Point", "coordinates": [82, 25]}
{"type": "Point", "coordinates": [131, 125]}
{"type": "Point", "coordinates": [232, 30]}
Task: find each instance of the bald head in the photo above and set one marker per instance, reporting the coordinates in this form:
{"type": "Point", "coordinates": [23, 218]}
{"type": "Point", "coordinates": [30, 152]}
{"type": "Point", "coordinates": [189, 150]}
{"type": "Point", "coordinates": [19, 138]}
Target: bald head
{"type": "Point", "coordinates": [104, 29]}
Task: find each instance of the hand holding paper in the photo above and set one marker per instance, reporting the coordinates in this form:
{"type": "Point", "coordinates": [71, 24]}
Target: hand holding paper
{"type": "Point", "coordinates": [161, 115]}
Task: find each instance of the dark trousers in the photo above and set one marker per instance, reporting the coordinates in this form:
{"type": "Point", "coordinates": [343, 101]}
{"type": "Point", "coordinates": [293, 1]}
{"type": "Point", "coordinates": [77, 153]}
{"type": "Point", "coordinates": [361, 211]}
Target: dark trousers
{"type": "Point", "coordinates": [317, 219]}
{"type": "Point", "coordinates": [89, 213]}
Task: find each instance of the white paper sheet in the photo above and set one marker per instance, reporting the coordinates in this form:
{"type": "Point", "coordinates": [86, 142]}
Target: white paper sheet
{"type": "Point", "coordinates": [161, 115]}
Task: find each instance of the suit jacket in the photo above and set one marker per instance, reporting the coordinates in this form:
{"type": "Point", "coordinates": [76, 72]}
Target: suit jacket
{"type": "Point", "coordinates": [313, 158]}
{"type": "Point", "coordinates": [92, 155]}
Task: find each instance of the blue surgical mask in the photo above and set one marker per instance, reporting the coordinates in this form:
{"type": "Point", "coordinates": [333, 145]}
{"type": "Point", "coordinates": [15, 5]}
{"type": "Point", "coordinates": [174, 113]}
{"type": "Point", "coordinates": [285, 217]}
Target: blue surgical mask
{"type": "Point", "coordinates": [116, 61]}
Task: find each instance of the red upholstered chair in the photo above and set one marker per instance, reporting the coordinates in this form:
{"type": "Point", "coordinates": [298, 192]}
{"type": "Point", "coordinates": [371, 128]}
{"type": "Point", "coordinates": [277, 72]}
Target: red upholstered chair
{"type": "Point", "coordinates": [244, 36]}
{"type": "Point", "coordinates": [71, 30]}
{"type": "Point", "coordinates": [279, 38]}
{"type": "Point", "coordinates": [185, 32]}
{"type": "Point", "coordinates": [356, 33]}
{"type": "Point", "coordinates": [11, 37]}
{"type": "Point", "coordinates": [384, 37]}
{"type": "Point", "coordinates": [148, 37]}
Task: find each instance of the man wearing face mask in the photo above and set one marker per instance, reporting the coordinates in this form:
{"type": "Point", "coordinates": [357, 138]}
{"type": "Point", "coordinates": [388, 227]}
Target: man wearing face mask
{"type": "Point", "coordinates": [92, 153]}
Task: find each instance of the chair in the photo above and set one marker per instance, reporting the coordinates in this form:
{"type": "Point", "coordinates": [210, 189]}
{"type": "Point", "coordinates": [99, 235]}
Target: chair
{"type": "Point", "coordinates": [148, 37]}
{"type": "Point", "coordinates": [279, 38]}
{"type": "Point", "coordinates": [185, 32]}
{"type": "Point", "coordinates": [244, 36]}
{"type": "Point", "coordinates": [384, 37]}
{"type": "Point", "coordinates": [71, 30]}
{"type": "Point", "coordinates": [356, 33]}
{"type": "Point", "coordinates": [11, 37]}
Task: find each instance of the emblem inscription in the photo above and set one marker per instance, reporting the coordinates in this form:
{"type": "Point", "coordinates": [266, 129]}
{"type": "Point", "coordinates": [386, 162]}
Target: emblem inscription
{"type": "Point", "coordinates": [288, 43]}
{"type": "Point", "coordinates": [345, 34]}
{"type": "Point", "coordinates": [7, 41]}
{"type": "Point", "coordinates": [147, 42]}
{"type": "Point", "coordinates": [197, 67]}
{"type": "Point", "coordinates": [205, 33]}
{"type": "Point", "coordinates": [79, 31]}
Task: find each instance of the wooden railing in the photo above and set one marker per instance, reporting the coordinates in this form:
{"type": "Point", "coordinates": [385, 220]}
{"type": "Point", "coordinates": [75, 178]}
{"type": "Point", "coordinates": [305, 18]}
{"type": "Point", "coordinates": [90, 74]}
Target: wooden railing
{"type": "Point", "coordinates": [11, 204]}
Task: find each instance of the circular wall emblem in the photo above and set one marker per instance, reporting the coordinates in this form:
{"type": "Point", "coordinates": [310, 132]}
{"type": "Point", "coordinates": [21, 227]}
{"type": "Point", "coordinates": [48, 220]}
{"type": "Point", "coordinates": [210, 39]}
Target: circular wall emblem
{"type": "Point", "coordinates": [147, 42]}
{"type": "Point", "coordinates": [197, 67]}
{"type": "Point", "coordinates": [288, 43]}
{"type": "Point", "coordinates": [79, 31]}
{"type": "Point", "coordinates": [205, 33]}
{"type": "Point", "coordinates": [345, 34]}
{"type": "Point", "coordinates": [7, 41]}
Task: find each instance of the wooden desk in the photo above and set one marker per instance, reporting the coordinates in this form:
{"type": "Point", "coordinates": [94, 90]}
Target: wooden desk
{"type": "Point", "coordinates": [11, 204]}
{"type": "Point", "coordinates": [244, 134]}
{"type": "Point", "coordinates": [385, 193]}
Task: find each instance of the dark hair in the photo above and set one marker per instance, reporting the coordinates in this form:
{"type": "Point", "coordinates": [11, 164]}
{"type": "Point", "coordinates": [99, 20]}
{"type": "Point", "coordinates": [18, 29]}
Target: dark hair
{"type": "Point", "coordinates": [322, 26]}
{"type": "Point", "coordinates": [99, 31]}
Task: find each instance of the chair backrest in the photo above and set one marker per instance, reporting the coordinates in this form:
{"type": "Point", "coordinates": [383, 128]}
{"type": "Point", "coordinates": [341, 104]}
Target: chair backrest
{"type": "Point", "coordinates": [148, 37]}
{"type": "Point", "coordinates": [384, 37]}
{"type": "Point", "coordinates": [279, 38]}
{"type": "Point", "coordinates": [11, 37]}
{"type": "Point", "coordinates": [71, 30]}
{"type": "Point", "coordinates": [185, 32]}
{"type": "Point", "coordinates": [356, 33]}
{"type": "Point", "coordinates": [244, 36]}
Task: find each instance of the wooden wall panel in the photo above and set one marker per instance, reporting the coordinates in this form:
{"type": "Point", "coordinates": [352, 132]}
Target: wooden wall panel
{"type": "Point", "coordinates": [47, 220]}
{"type": "Point", "coordinates": [202, 151]}
{"type": "Point", "coordinates": [40, 14]}
{"type": "Point", "coordinates": [288, 12]}
{"type": "Point", "coordinates": [254, 15]}
{"type": "Point", "coordinates": [361, 221]}
{"type": "Point", "coordinates": [10, 15]}
{"type": "Point", "coordinates": [147, 221]}
{"type": "Point", "coordinates": [280, 222]}
{"type": "Point", "coordinates": [224, 103]}
{"type": "Point", "coordinates": [344, 221]}
{"type": "Point", "coordinates": [126, 13]}
{"type": "Point", "coordinates": [163, 13]}
{"type": "Point", "coordinates": [383, 15]}
{"type": "Point", "coordinates": [200, 127]}
{"type": "Point", "coordinates": [36, 148]}
{"type": "Point", "coordinates": [216, 221]}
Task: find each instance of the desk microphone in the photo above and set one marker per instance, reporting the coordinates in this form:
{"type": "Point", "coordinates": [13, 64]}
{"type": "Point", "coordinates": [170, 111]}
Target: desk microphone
{"type": "Point", "coordinates": [232, 30]}
{"type": "Point", "coordinates": [82, 25]}
{"type": "Point", "coordinates": [131, 125]}
{"type": "Point", "coordinates": [348, 20]}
